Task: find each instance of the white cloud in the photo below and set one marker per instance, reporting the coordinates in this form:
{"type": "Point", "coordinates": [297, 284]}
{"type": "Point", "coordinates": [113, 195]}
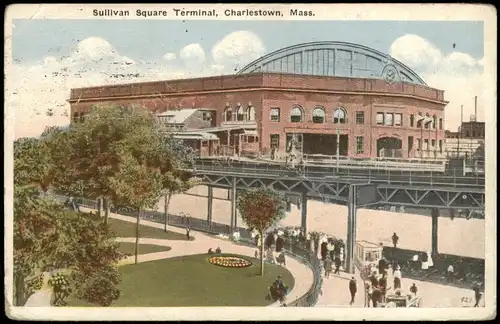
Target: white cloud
{"type": "Point", "coordinates": [238, 49]}
{"type": "Point", "coordinates": [169, 56]}
{"type": "Point", "coordinates": [37, 93]}
{"type": "Point", "coordinates": [460, 75]}
{"type": "Point", "coordinates": [193, 54]}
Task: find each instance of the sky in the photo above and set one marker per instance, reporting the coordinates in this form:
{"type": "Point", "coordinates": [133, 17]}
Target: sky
{"type": "Point", "coordinates": [52, 56]}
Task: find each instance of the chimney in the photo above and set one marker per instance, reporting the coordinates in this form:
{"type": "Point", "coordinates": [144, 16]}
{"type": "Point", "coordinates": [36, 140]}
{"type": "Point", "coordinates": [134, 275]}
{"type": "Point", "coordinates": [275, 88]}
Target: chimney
{"type": "Point", "coordinates": [475, 108]}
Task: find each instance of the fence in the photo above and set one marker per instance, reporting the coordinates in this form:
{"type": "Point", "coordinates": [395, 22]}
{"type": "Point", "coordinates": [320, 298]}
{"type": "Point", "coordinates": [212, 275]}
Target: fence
{"type": "Point", "coordinates": [416, 175]}
{"type": "Point", "coordinates": [295, 250]}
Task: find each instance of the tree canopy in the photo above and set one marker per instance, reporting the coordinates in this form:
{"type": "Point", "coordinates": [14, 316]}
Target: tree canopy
{"type": "Point", "coordinates": [261, 209]}
{"type": "Point", "coordinates": [46, 236]}
{"type": "Point", "coordinates": [116, 153]}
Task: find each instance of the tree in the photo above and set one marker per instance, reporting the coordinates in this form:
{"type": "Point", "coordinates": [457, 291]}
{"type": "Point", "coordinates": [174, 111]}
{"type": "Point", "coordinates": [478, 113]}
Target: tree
{"type": "Point", "coordinates": [41, 161]}
{"type": "Point", "coordinates": [46, 236]}
{"type": "Point", "coordinates": [173, 160]}
{"type": "Point", "coordinates": [138, 187]}
{"type": "Point", "coordinates": [261, 209]}
{"type": "Point", "coordinates": [175, 183]}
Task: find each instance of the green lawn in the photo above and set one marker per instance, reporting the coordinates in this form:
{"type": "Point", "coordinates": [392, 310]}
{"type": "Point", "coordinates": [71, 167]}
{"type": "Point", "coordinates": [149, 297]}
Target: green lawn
{"type": "Point", "coordinates": [192, 281]}
{"type": "Point", "coordinates": [129, 248]}
{"type": "Point", "coordinates": [127, 229]}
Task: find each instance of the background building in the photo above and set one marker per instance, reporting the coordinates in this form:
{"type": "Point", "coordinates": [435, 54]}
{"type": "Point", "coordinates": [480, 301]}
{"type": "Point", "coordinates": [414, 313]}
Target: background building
{"type": "Point", "coordinates": [467, 141]}
{"type": "Point", "coordinates": [326, 98]}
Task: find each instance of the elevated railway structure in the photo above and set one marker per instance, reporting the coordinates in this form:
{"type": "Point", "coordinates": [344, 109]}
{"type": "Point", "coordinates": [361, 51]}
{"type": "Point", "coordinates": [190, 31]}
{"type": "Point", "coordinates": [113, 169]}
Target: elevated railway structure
{"type": "Point", "coordinates": [414, 188]}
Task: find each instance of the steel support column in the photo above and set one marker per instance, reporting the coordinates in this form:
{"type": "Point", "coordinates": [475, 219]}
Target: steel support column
{"type": "Point", "coordinates": [303, 211]}
{"type": "Point", "coordinates": [233, 203]}
{"type": "Point", "coordinates": [435, 220]}
{"type": "Point", "coordinates": [351, 230]}
{"type": "Point", "coordinates": [210, 199]}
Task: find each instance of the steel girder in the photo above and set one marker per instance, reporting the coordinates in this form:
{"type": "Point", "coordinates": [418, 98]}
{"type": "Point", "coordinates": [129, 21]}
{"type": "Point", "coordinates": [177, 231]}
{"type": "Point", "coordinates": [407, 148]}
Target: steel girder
{"type": "Point", "coordinates": [338, 190]}
{"type": "Point", "coordinates": [425, 197]}
{"type": "Point", "coordinates": [290, 186]}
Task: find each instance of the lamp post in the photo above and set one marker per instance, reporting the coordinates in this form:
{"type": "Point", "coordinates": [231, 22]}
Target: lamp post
{"type": "Point", "coordinates": [338, 148]}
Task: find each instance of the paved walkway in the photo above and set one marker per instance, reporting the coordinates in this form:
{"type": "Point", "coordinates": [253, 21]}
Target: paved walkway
{"type": "Point", "coordinates": [202, 242]}
{"type": "Point", "coordinates": [336, 293]}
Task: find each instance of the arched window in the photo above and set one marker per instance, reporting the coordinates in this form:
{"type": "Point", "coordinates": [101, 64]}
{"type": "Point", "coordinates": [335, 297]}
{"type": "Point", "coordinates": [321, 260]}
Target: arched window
{"type": "Point", "coordinates": [427, 121]}
{"type": "Point", "coordinates": [250, 113]}
{"type": "Point", "coordinates": [420, 118]}
{"type": "Point", "coordinates": [228, 114]}
{"type": "Point", "coordinates": [339, 116]}
{"type": "Point", "coordinates": [318, 115]}
{"type": "Point", "coordinates": [296, 114]}
{"type": "Point", "coordinates": [240, 114]}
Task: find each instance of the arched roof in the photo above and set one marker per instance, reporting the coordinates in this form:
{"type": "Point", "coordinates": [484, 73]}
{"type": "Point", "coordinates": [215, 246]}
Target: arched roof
{"type": "Point", "coordinates": [332, 58]}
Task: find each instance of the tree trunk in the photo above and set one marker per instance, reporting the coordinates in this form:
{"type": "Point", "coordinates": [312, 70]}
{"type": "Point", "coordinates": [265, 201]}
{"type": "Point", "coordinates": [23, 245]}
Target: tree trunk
{"type": "Point", "coordinates": [137, 236]}
{"type": "Point", "coordinates": [99, 207]}
{"type": "Point", "coordinates": [106, 210]}
{"type": "Point", "coordinates": [166, 203]}
{"type": "Point", "coordinates": [261, 238]}
{"type": "Point", "coordinates": [20, 290]}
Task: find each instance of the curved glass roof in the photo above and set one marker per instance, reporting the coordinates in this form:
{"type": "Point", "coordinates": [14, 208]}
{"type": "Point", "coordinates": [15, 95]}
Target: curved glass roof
{"type": "Point", "coordinates": [334, 59]}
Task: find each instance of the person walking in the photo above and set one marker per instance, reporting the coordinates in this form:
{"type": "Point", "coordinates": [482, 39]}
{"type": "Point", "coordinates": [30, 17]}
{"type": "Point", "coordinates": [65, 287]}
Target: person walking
{"type": "Point", "coordinates": [450, 273]}
{"type": "Point", "coordinates": [395, 240]}
{"type": "Point", "coordinates": [353, 288]}
{"type": "Point", "coordinates": [414, 289]}
{"type": "Point", "coordinates": [188, 231]}
{"type": "Point", "coordinates": [477, 295]}
{"type": "Point", "coordinates": [368, 296]}
{"type": "Point", "coordinates": [328, 267]}
{"type": "Point", "coordinates": [337, 265]}
{"type": "Point", "coordinates": [397, 278]}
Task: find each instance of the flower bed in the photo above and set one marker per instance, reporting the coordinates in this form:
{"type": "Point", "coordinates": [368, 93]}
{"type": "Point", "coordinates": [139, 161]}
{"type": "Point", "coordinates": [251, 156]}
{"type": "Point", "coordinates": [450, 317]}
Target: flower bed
{"type": "Point", "coordinates": [229, 261]}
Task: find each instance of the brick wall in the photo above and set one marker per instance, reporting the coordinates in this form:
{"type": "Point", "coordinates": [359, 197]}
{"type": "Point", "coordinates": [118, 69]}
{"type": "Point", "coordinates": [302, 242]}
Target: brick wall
{"type": "Point", "coordinates": [265, 91]}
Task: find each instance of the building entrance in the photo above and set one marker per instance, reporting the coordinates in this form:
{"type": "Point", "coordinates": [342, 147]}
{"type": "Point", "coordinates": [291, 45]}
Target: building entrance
{"type": "Point", "coordinates": [325, 144]}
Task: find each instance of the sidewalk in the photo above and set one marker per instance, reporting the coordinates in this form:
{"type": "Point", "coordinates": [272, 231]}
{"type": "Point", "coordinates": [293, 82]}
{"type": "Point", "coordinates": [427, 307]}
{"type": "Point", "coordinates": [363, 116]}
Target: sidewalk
{"type": "Point", "coordinates": [302, 274]}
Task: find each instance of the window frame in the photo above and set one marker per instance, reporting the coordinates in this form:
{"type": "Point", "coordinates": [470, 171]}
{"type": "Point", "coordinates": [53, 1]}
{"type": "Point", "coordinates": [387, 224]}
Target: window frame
{"type": "Point", "coordinates": [338, 120]}
{"type": "Point", "coordinates": [360, 117]}
{"type": "Point", "coordinates": [276, 136]}
{"type": "Point", "coordinates": [297, 108]}
{"type": "Point", "coordinates": [382, 123]}
{"type": "Point", "coordinates": [278, 115]}
{"type": "Point", "coordinates": [360, 145]}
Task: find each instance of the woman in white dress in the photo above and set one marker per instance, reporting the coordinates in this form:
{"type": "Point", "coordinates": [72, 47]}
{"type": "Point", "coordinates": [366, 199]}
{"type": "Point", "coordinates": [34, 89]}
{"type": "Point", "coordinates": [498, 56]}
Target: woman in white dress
{"type": "Point", "coordinates": [425, 262]}
{"type": "Point", "coordinates": [429, 259]}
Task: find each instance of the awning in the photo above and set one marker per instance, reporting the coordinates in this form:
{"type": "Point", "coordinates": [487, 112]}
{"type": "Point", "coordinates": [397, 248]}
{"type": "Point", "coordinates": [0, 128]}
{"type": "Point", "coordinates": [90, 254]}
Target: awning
{"type": "Point", "coordinates": [250, 132]}
{"type": "Point", "coordinates": [196, 136]}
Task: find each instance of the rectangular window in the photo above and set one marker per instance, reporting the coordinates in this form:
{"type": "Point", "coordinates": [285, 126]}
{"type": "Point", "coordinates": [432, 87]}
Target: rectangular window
{"type": "Point", "coordinates": [250, 139]}
{"type": "Point", "coordinates": [275, 141]}
{"type": "Point", "coordinates": [389, 119]}
{"type": "Point", "coordinates": [380, 118]}
{"type": "Point", "coordinates": [412, 120]}
{"type": "Point", "coordinates": [433, 143]}
{"type": "Point", "coordinates": [360, 117]}
{"type": "Point", "coordinates": [440, 146]}
{"type": "Point", "coordinates": [398, 119]}
{"type": "Point", "coordinates": [419, 144]}
{"type": "Point", "coordinates": [275, 114]}
{"type": "Point", "coordinates": [206, 116]}
{"type": "Point", "coordinates": [426, 144]}
{"type": "Point", "coordinates": [359, 145]}
{"type": "Point", "coordinates": [440, 123]}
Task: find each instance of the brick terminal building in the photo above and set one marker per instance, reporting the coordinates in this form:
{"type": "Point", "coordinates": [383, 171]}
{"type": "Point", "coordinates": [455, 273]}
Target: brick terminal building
{"type": "Point", "coordinates": [311, 93]}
